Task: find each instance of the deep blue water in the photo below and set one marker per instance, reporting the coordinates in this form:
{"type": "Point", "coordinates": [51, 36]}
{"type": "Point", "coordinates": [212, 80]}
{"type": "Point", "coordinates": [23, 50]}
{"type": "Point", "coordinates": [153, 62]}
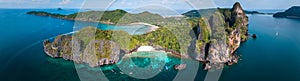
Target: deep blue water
{"type": "Point", "coordinates": [268, 10]}
{"type": "Point", "coordinates": [270, 57]}
{"type": "Point", "coordinates": [22, 56]}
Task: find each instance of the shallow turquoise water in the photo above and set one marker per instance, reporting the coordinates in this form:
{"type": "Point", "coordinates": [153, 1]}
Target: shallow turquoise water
{"type": "Point", "coordinates": [21, 47]}
{"type": "Point", "coordinates": [270, 57]}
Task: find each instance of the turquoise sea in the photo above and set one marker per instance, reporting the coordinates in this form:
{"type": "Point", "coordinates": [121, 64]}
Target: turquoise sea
{"type": "Point", "coordinates": [270, 57]}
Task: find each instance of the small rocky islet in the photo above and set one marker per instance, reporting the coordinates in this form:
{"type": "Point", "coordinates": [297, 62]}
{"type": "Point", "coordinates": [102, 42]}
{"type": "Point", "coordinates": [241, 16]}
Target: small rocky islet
{"type": "Point", "coordinates": [217, 37]}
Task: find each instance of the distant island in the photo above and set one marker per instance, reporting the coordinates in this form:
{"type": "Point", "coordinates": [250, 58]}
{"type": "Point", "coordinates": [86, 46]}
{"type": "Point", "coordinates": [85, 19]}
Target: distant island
{"type": "Point", "coordinates": [106, 17]}
{"type": "Point", "coordinates": [198, 13]}
{"type": "Point", "coordinates": [256, 12]}
{"type": "Point", "coordinates": [217, 36]}
{"type": "Point", "coordinates": [293, 12]}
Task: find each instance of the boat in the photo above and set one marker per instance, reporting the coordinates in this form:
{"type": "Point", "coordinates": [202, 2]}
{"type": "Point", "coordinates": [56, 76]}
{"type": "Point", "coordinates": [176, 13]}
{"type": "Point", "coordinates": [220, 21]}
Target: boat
{"type": "Point", "coordinates": [166, 68]}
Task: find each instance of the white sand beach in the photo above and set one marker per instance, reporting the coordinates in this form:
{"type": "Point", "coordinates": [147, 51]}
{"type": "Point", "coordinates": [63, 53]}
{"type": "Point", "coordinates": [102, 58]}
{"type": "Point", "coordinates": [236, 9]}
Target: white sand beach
{"type": "Point", "coordinates": [153, 27]}
{"type": "Point", "coordinates": [145, 48]}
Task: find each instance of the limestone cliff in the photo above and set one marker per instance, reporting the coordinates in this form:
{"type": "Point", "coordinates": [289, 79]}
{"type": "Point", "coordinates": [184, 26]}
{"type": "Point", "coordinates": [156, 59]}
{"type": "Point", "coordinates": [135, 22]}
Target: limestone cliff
{"type": "Point", "coordinates": [218, 35]}
{"type": "Point", "coordinates": [228, 28]}
{"type": "Point", "coordinates": [96, 53]}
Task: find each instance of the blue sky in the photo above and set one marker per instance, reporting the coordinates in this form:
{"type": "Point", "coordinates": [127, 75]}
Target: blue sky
{"type": "Point", "coordinates": [135, 4]}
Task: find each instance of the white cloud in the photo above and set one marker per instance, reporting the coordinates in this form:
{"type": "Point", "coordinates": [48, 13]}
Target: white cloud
{"type": "Point", "coordinates": [65, 2]}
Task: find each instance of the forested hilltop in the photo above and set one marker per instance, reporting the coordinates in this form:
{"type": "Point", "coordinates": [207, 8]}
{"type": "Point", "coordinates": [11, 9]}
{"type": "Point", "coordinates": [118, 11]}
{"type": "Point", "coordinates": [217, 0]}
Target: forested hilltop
{"type": "Point", "coordinates": [293, 12]}
{"type": "Point", "coordinates": [107, 17]}
{"type": "Point", "coordinates": [210, 38]}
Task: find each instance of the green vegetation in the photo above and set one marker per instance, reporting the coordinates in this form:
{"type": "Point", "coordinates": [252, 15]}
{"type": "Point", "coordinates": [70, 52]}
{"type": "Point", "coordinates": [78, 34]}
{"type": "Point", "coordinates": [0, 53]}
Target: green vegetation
{"type": "Point", "coordinates": [218, 29]}
{"type": "Point", "coordinates": [209, 32]}
{"type": "Point", "coordinates": [205, 30]}
{"type": "Point", "coordinates": [216, 24]}
{"type": "Point", "coordinates": [42, 13]}
{"type": "Point", "coordinates": [292, 12]}
{"type": "Point", "coordinates": [109, 17]}
{"type": "Point", "coordinates": [174, 33]}
{"type": "Point", "coordinates": [171, 33]}
{"type": "Point", "coordinates": [104, 49]}
{"type": "Point", "coordinates": [199, 45]}
{"type": "Point", "coordinates": [145, 17]}
{"type": "Point", "coordinates": [161, 37]}
{"type": "Point", "coordinates": [200, 13]}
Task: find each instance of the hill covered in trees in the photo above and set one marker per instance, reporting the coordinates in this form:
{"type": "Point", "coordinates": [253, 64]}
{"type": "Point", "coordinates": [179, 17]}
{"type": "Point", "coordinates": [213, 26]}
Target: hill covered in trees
{"type": "Point", "coordinates": [293, 12]}
{"type": "Point", "coordinates": [210, 38]}
{"type": "Point", "coordinates": [108, 17]}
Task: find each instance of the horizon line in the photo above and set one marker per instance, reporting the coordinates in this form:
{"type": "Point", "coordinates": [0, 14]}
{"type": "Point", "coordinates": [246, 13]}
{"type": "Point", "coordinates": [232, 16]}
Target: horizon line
{"type": "Point", "coordinates": [125, 9]}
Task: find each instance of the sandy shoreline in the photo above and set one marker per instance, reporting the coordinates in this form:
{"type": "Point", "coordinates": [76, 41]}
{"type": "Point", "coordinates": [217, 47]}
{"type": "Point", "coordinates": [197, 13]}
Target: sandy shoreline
{"type": "Point", "coordinates": [169, 54]}
{"type": "Point", "coordinates": [153, 27]}
{"type": "Point", "coordinates": [157, 49]}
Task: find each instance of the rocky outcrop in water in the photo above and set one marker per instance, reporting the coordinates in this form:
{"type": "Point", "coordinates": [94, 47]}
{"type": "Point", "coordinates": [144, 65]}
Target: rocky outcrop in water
{"type": "Point", "coordinates": [218, 36]}
{"type": "Point", "coordinates": [96, 53]}
{"type": "Point", "coordinates": [254, 36]}
{"type": "Point", "coordinates": [180, 66]}
{"type": "Point", "coordinates": [228, 27]}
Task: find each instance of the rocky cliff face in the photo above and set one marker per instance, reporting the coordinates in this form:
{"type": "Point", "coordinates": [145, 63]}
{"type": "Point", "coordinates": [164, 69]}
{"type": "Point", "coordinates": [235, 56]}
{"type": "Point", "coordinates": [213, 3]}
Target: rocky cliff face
{"type": "Point", "coordinates": [229, 27]}
{"type": "Point", "coordinates": [240, 25]}
{"type": "Point", "coordinates": [96, 53]}
{"type": "Point", "coordinates": [222, 31]}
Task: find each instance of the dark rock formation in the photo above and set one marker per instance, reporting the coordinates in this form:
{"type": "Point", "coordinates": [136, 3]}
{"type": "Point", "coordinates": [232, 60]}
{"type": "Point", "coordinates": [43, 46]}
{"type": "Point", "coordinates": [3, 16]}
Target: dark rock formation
{"type": "Point", "coordinates": [219, 35]}
{"type": "Point", "coordinates": [229, 27]}
{"type": "Point", "coordinates": [96, 53]}
{"type": "Point", "coordinates": [254, 36]}
{"type": "Point", "coordinates": [293, 12]}
{"type": "Point", "coordinates": [222, 53]}
{"type": "Point", "coordinates": [60, 46]}
{"type": "Point", "coordinates": [180, 66]}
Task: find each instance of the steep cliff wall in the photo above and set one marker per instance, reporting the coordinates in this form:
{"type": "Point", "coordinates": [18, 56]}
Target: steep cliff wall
{"type": "Point", "coordinates": [218, 35]}
{"type": "Point", "coordinates": [96, 53]}
{"type": "Point", "coordinates": [228, 28]}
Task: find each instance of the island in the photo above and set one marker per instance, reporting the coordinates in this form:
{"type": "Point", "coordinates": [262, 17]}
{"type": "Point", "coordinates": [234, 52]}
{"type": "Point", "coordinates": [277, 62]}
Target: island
{"type": "Point", "coordinates": [256, 12]}
{"type": "Point", "coordinates": [211, 38]}
{"type": "Point", "coordinates": [293, 12]}
{"type": "Point", "coordinates": [198, 13]}
{"type": "Point", "coordinates": [106, 17]}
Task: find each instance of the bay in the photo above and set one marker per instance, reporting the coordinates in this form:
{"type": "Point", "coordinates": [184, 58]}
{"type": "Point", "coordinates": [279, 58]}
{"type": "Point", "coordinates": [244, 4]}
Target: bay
{"type": "Point", "coordinates": [273, 56]}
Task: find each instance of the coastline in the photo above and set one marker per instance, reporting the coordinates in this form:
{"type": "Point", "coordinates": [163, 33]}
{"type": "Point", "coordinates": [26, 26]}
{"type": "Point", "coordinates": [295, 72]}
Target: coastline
{"type": "Point", "coordinates": [159, 49]}
{"type": "Point", "coordinates": [214, 54]}
{"type": "Point", "coordinates": [168, 53]}
{"type": "Point", "coordinates": [152, 27]}
{"type": "Point", "coordinates": [46, 14]}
